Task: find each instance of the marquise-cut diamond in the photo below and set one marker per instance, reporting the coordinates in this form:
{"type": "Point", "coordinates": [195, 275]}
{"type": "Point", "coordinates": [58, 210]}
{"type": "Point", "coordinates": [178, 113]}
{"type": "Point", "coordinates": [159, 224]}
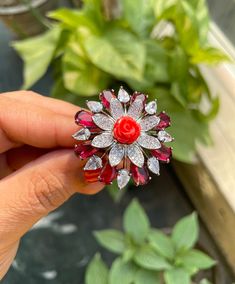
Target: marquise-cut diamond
{"type": "Point", "coordinates": [135, 109]}
{"type": "Point", "coordinates": [103, 140]}
{"type": "Point", "coordinates": [151, 107]}
{"type": "Point", "coordinates": [153, 165]}
{"type": "Point", "coordinates": [123, 178]}
{"type": "Point", "coordinates": [116, 108]}
{"type": "Point", "coordinates": [163, 136]}
{"type": "Point", "coordinates": [149, 122]}
{"type": "Point", "coordinates": [82, 135]}
{"type": "Point", "coordinates": [123, 96]}
{"type": "Point", "coordinates": [94, 106]}
{"type": "Point", "coordinates": [149, 142]}
{"type": "Point", "coordinates": [116, 154]}
{"type": "Point", "coordinates": [93, 163]}
{"type": "Point", "coordinates": [135, 155]}
{"type": "Point", "coordinates": [103, 121]}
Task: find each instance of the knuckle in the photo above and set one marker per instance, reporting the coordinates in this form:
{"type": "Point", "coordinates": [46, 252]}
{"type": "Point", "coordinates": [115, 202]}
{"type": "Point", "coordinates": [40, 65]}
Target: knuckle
{"type": "Point", "coordinates": [46, 192]}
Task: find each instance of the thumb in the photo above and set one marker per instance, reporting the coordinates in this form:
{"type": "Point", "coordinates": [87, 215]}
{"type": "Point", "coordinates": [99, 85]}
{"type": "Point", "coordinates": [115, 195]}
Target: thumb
{"type": "Point", "coordinates": [38, 188]}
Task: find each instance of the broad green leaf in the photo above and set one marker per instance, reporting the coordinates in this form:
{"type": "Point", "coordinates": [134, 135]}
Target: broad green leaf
{"type": "Point", "coordinates": [209, 55]}
{"type": "Point", "coordinates": [122, 272]}
{"type": "Point", "coordinates": [205, 281]}
{"type": "Point", "coordinates": [147, 258]}
{"type": "Point", "coordinates": [80, 76]}
{"type": "Point", "coordinates": [148, 277]}
{"type": "Point", "coordinates": [129, 253]}
{"type": "Point", "coordinates": [112, 240]}
{"type": "Point", "coordinates": [162, 244]}
{"type": "Point", "coordinates": [121, 55]}
{"type": "Point", "coordinates": [197, 259]}
{"type": "Point", "coordinates": [185, 232]}
{"type": "Point", "coordinates": [37, 54]}
{"type": "Point", "coordinates": [161, 6]}
{"type": "Point", "coordinates": [176, 276]}
{"type": "Point", "coordinates": [97, 272]}
{"type": "Point", "coordinates": [136, 221]}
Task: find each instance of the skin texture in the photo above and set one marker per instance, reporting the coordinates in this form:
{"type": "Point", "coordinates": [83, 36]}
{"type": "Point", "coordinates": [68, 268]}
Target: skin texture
{"type": "Point", "coordinates": [38, 169]}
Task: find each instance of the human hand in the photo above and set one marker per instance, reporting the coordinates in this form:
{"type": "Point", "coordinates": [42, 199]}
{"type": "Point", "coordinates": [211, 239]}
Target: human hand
{"type": "Point", "coordinates": [38, 171]}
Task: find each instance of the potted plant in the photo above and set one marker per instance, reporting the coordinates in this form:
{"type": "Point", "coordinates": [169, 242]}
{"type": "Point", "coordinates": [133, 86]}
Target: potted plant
{"type": "Point", "coordinates": [26, 17]}
{"type": "Point", "coordinates": [148, 255]}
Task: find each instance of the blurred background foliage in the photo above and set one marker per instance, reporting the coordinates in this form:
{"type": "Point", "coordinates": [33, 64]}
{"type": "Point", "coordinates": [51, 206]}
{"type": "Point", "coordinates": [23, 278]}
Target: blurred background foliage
{"type": "Point", "coordinates": [153, 46]}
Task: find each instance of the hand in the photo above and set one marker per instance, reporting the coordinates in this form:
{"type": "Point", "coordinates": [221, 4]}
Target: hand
{"type": "Point", "coordinates": [38, 171]}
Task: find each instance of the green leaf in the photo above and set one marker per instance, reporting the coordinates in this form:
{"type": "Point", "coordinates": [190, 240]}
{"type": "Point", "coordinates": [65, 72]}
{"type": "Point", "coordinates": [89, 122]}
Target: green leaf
{"type": "Point", "coordinates": [80, 76]}
{"type": "Point", "coordinates": [147, 258]}
{"type": "Point", "coordinates": [112, 240]}
{"type": "Point", "coordinates": [121, 55]}
{"type": "Point", "coordinates": [37, 54]}
{"type": "Point", "coordinates": [209, 55]}
{"type": "Point", "coordinates": [196, 259]}
{"type": "Point", "coordinates": [162, 244]}
{"type": "Point", "coordinates": [205, 281]}
{"type": "Point", "coordinates": [161, 6]}
{"type": "Point", "coordinates": [136, 221]}
{"type": "Point", "coordinates": [176, 276]}
{"type": "Point", "coordinates": [122, 272]}
{"type": "Point", "coordinates": [97, 272]}
{"type": "Point", "coordinates": [185, 232]}
{"type": "Point", "coordinates": [148, 277]}
{"type": "Point", "coordinates": [129, 253]}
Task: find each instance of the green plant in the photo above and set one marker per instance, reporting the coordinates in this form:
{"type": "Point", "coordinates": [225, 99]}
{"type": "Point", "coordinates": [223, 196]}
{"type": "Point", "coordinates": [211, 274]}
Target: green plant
{"type": "Point", "coordinates": [90, 53]}
{"type": "Point", "coordinates": [147, 255]}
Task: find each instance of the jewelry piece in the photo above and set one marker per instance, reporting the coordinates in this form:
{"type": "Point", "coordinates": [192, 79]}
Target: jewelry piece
{"type": "Point", "coordinates": [122, 137]}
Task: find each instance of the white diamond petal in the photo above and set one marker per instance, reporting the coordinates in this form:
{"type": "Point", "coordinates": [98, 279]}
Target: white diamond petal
{"type": "Point", "coordinates": [149, 142]}
{"type": "Point", "coordinates": [163, 136]}
{"type": "Point", "coordinates": [136, 155]}
{"type": "Point", "coordinates": [116, 108]}
{"type": "Point", "coordinates": [149, 122]}
{"type": "Point", "coordinates": [116, 154]}
{"type": "Point", "coordinates": [103, 121]}
{"type": "Point", "coordinates": [94, 106]}
{"type": "Point", "coordinates": [135, 109]}
{"type": "Point", "coordinates": [82, 135]}
{"type": "Point", "coordinates": [93, 163]}
{"type": "Point", "coordinates": [123, 96]}
{"type": "Point", "coordinates": [151, 107]}
{"type": "Point", "coordinates": [103, 140]}
{"type": "Point", "coordinates": [123, 178]}
{"type": "Point", "coordinates": [153, 165]}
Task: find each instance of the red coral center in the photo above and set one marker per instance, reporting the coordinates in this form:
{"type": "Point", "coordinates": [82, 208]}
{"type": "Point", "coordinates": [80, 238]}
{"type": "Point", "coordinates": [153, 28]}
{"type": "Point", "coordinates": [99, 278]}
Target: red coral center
{"type": "Point", "coordinates": [126, 130]}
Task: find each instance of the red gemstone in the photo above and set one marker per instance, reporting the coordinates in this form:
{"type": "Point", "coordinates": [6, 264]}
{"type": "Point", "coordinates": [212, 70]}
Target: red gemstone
{"type": "Point", "coordinates": [106, 97]}
{"type": "Point", "coordinates": [139, 96]}
{"type": "Point", "coordinates": [140, 175]}
{"type": "Point", "coordinates": [92, 175]}
{"type": "Point", "coordinates": [85, 151]}
{"type": "Point", "coordinates": [163, 154]}
{"type": "Point", "coordinates": [165, 121]}
{"type": "Point", "coordinates": [126, 130]}
{"type": "Point", "coordinates": [84, 118]}
{"type": "Point", "coordinates": [108, 174]}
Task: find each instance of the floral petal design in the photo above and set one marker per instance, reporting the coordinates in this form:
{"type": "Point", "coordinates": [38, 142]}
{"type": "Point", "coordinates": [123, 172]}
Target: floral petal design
{"type": "Point", "coordinates": [153, 165]}
{"type": "Point", "coordinates": [103, 140]}
{"type": "Point", "coordinates": [135, 109]}
{"type": "Point", "coordinates": [123, 178]}
{"type": "Point", "coordinates": [93, 163]}
{"type": "Point", "coordinates": [163, 136]}
{"type": "Point", "coordinates": [82, 134]}
{"type": "Point", "coordinates": [103, 121]}
{"type": "Point", "coordinates": [151, 107]}
{"type": "Point", "coordinates": [94, 106]}
{"type": "Point", "coordinates": [123, 96]}
{"type": "Point", "coordinates": [116, 108]}
{"type": "Point", "coordinates": [149, 142]}
{"type": "Point", "coordinates": [135, 154]}
{"type": "Point", "coordinates": [116, 154]}
{"type": "Point", "coordinates": [149, 122]}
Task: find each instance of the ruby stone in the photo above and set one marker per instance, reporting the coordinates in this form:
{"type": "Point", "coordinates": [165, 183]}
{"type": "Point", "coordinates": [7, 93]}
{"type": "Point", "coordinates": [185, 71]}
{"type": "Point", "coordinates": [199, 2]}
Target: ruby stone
{"type": "Point", "coordinates": [106, 97]}
{"type": "Point", "coordinates": [140, 176]}
{"type": "Point", "coordinates": [108, 174]}
{"type": "Point", "coordinates": [163, 154]}
{"type": "Point", "coordinates": [84, 118]}
{"type": "Point", "coordinates": [165, 121]}
{"type": "Point", "coordinates": [126, 130]}
{"type": "Point", "coordinates": [85, 151]}
{"type": "Point", "coordinates": [92, 175]}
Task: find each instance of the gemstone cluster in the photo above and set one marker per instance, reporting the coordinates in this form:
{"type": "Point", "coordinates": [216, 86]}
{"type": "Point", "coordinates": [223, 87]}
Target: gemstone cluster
{"type": "Point", "coordinates": [122, 137]}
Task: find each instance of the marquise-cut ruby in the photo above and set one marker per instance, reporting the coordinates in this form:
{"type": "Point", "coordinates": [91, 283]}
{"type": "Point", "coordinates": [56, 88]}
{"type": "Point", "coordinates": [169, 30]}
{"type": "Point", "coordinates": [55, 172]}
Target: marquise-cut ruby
{"type": "Point", "coordinates": [84, 118]}
{"type": "Point", "coordinates": [92, 175]}
{"type": "Point", "coordinates": [163, 154]}
{"type": "Point", "coordinates": [140, 175]}
{"type": "Point", "coordinates": [85, 151]}
{"type": "Point", "coordinates": [106, 97]}
{"type": "Point", "coordinates": [140, 96]}
{"type": "Point", "coordinates": [165, 121]}
{"type": "Point", "coordinates": [108, 174]}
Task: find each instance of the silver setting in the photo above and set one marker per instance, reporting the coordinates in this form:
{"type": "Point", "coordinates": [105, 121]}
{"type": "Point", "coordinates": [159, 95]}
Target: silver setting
{"type": "Point", "coordinates": [135, 109]}
{"type": "Point", "coordinates": [103, 140]}
{"type": "Point", "coordinates": [94, 106]}
{"type": "Point", "coordinates": [136, 155]}
{"type": "Point", "coordinates": [149, 122]}
{"type": "Point", "coordinates": [116, 108]}
{"type": "Point", "coordinates": [153, 165]}
{"type": "Point", "coordinates": [116, 154]}
{"type": "Point", "coordinates": [149, 142]}
{"type": "Point", "coordinates": [103, 121]}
